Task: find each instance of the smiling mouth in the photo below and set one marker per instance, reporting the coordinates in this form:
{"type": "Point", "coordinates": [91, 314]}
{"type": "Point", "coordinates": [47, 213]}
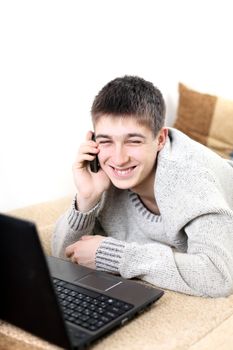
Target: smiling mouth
{"type": "Point", "coordinates": [123, 172]}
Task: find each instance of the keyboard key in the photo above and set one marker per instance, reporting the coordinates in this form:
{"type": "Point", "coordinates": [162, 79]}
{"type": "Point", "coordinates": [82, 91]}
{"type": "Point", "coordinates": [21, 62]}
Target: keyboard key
{"type": "Point", "coordinates": [88, 309]}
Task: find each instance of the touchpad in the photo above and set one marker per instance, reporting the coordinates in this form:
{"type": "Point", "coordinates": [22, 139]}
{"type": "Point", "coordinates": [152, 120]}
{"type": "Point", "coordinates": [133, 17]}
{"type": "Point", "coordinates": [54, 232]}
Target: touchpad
{"type": "Point", "coordinates": [103, 283]}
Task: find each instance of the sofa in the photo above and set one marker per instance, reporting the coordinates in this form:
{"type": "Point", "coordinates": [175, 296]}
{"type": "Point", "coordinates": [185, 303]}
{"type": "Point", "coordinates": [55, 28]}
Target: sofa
{"type": "Point", "coordinates": [176, 321]}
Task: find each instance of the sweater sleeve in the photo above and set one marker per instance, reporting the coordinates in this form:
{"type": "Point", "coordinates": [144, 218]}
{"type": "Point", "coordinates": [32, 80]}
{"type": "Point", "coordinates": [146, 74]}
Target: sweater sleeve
{"type": "Point", "coordinates": [206, 269]}
{"type": "Point", "coordinates": [71, 226]}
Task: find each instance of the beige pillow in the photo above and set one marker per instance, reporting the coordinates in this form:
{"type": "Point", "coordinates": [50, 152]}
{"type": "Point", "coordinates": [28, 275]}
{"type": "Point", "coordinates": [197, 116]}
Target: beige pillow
{"type": "Point", "coordinates": [207, 119]}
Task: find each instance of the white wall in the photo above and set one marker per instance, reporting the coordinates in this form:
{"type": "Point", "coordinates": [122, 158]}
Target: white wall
{"type": "Point", "coordinates": [56, 55]}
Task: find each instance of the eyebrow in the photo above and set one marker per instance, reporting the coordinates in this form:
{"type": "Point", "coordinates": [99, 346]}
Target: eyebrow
{"type": "Point", "coordinates": [105, 136]}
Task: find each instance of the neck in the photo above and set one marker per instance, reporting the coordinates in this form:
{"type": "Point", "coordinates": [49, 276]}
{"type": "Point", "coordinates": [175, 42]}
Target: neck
{"type": "Point", "coordinates": [146, 194]}
{"type": "Point", "coordinates": [151, 205]}
{"type": "Point", "coordinates": [146, 188]}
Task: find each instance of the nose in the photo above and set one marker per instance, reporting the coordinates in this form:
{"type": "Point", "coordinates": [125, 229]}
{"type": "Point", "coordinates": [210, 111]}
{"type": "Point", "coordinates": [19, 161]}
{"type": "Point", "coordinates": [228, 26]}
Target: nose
{"type": "Point", "coordinates": [119, 156]}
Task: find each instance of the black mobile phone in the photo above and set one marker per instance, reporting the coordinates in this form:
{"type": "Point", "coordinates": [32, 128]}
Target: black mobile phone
{"type": "Point", "coordinates": [94, 164]}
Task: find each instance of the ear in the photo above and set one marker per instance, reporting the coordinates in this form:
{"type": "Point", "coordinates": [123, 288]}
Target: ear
{"type": "Point", "coordinates": [162, 136]}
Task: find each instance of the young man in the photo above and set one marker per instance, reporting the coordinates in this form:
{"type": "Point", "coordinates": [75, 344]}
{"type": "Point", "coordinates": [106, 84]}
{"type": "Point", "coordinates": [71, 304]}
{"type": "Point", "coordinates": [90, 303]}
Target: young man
{"type": "Point", "coordinates": [160, 208]}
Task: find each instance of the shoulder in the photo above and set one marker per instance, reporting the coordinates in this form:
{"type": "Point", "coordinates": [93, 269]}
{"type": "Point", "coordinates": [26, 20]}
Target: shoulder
{"type": "Point", "coordinates": [182, 147]}
{"type": "Point", "coordinates": [183, 153]}
{"type": "Point", "coordinates": [191, 179]}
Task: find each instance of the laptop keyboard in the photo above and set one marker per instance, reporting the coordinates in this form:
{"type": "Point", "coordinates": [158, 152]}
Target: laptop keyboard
{"type": "Point", "coordinates": [86, 308]}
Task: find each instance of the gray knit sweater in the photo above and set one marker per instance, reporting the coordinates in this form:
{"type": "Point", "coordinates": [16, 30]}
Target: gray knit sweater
{"type": "Point", "coordinates": [189, 247]}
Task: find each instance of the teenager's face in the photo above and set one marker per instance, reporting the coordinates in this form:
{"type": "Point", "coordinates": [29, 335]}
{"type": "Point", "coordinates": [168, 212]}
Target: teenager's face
{"type": "Point", "coordinates": [128, 151]}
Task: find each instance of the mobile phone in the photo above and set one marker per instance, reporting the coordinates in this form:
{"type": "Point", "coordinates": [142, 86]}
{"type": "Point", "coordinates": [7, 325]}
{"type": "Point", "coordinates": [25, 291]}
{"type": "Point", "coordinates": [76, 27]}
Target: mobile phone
{"type": "Point", "coordinates": [94, 164]}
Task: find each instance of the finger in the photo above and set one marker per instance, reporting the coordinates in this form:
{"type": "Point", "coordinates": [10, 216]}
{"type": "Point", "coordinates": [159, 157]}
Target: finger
{"type": "Point", "coordinates": [81, 161]}
{"type": "Point", "coordinates": [74, 259]}
{"type": "Point", "coordinates": [86, 237]}
{"type": "Point", "coordinates": [86, 153]}
{"type": "Point", "coordinates": [89, 135]}
{"type": "Point", "coordinates": [87, 149]}
{"type": "Point", "coordinates": [69, 250]}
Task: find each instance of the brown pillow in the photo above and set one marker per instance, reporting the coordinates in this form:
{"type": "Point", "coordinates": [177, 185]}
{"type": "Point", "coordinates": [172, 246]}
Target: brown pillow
{"type": "Point", "coordinates": [207, 119]}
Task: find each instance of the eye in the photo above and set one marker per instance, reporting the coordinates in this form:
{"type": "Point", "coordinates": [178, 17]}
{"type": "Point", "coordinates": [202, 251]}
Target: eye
{"type": "Point", "coordinates": [103, 142]}
{"type": "Point", "coordinates": [136, 141]}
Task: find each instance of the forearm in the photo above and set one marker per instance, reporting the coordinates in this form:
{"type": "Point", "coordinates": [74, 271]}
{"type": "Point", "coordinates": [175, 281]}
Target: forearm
{"type": "Point", "coordinates": [152, 262]}
{"type": "Point", "coordinates": [70, 227]}
{"type": "Point", "coordinates": [160, 265]}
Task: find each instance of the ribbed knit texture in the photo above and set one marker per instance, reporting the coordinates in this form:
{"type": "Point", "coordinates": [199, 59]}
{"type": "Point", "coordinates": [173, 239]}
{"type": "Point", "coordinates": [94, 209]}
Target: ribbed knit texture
{"type": "Point", "coordinates": [109, 255]}
{"type": "Point", "coordinates": [189, 247]}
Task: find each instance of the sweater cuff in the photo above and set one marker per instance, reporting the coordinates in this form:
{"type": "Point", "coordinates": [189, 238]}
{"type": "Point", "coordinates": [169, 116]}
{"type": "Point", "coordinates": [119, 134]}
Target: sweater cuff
{"type": "Point", "coordinates": [109, 255]}
{"type": "Point", "coordinates": [80, 221]}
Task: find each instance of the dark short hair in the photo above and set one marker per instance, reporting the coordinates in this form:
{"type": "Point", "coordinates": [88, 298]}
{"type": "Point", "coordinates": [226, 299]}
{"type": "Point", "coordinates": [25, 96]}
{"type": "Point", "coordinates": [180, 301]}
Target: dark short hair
{"type": "Point", "coordinates": [131, 96]}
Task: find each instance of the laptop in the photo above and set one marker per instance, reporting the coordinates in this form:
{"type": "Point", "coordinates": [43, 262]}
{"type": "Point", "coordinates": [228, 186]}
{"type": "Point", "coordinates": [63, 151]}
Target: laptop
{"type": "Point", "coordinates": [63, 303]}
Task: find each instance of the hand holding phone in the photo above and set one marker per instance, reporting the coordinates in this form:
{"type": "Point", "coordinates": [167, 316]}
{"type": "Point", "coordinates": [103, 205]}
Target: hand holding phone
{"type": "Point", "coordinates": [94, 164]}
{"type": "Point", "coordinates": [89, 182]}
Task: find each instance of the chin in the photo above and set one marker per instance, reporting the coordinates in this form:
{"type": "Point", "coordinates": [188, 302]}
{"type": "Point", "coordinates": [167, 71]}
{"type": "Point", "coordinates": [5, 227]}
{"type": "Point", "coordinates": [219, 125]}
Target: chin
{"type": "Point", "coordinates": [123, 184]}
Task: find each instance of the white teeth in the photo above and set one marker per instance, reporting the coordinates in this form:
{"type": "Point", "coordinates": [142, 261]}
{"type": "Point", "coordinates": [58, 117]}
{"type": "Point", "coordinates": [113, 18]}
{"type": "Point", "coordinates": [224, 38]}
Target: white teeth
{"type": "Point", "coordinates": [123, 172]}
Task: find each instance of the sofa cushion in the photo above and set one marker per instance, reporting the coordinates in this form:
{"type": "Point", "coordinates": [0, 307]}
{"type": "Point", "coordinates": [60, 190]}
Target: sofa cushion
{"type": "Point", "coordinates": [207, 119]}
